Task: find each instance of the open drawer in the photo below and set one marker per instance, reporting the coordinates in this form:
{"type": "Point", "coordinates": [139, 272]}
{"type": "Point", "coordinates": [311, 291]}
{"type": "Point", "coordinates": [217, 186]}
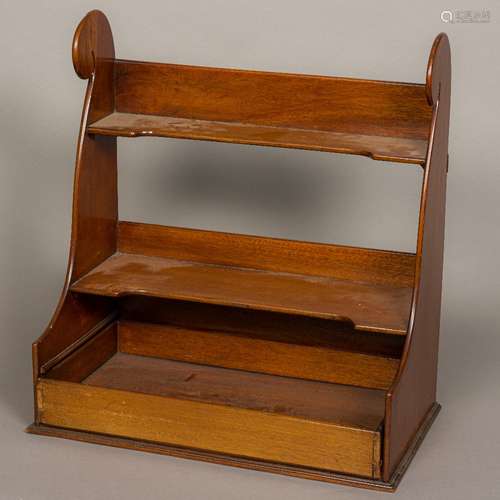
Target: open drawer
{"type": "Point", "coordinates": [102, 388]}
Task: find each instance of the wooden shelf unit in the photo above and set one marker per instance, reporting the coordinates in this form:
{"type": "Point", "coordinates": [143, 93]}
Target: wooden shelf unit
{"type": "Point", "coordinates": [306, 359]}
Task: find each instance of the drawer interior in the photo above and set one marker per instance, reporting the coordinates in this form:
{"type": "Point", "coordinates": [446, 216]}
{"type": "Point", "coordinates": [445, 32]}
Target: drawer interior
{"type": "Point", "coordinates": [173, 382]}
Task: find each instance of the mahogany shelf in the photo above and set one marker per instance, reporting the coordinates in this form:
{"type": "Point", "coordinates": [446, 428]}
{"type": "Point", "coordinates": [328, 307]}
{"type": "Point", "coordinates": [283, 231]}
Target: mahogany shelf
{"type": "Point", "coordinates": [386, 148]}
{"type": "Point", "coordinates": [306, 359]}
{"type": "Point", "coordinates": [370, 307]}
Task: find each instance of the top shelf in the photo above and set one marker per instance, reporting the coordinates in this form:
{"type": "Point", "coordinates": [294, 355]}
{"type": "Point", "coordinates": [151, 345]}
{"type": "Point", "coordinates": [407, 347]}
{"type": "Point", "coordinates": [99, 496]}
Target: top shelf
{"type": "Point", "coordinates": [382, 120]}
{"type": "Point", "coordinates": [397, 149]}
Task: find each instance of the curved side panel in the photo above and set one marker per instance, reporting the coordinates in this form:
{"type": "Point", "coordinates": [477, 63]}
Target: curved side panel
{"type": "Point", "coordinates": [413, 393]}
{"type": "Point", "coordinates": [95, 205]}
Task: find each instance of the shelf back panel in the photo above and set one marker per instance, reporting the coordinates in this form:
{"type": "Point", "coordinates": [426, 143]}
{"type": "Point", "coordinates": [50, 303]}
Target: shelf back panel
{"type": "Point", "coordinates": [379, 267]}
{"type": "Point", "coordinates": [246, 352]}
{"type": "Point", "coordinates": [273, 99]}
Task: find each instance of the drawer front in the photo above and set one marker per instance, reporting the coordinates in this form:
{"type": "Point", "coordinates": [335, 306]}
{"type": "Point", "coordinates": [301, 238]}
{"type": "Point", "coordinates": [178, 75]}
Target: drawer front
{"type": "Point", "coordinates": [203, 426]}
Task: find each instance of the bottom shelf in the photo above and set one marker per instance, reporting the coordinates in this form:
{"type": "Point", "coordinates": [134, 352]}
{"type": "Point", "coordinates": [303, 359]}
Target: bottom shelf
{"type": "Point", "coordinates": [272, 418]}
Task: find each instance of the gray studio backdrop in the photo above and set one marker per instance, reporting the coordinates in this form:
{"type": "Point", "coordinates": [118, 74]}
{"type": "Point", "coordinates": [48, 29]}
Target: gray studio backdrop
{"type": "Point", "coordinates": [284, 193]}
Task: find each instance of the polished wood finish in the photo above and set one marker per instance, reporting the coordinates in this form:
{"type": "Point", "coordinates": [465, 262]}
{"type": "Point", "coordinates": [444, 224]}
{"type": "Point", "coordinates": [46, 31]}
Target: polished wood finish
{"type": "Point", "coordinates": [343, 405]}
{"type": "Point", "coordinates": [399, 149]}
{"type": "Point", "coordinates": [414, 389]}
{"type": "Point", "coordinates": [349, 105]}
{"type": "Point", "coordinates": [229, 350]}
{"type": "Point", "coordinates": [221, 428]}
{"type": "Point", "coordinates": [84, 361]}
{"type": "Point", "coordinates": [383, 120]}
{"type": "Point", "coordinates": [263, 325]}
{"type": "Point", "coordinates": [272, 467]}
{"type": "Point", "coordinates": [379, 267]}
{"type": "Point", "coordinates": [369, 307]}
{"type": "Point", "coordinates": [313, 360]}
{"type": "Point", "coordinates": [95, 197]}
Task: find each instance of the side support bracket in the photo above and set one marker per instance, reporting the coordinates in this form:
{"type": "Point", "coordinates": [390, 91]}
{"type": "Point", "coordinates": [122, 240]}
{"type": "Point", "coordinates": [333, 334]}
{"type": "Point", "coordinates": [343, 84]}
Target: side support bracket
{"type": "Point", "coordinates": [413, 393]}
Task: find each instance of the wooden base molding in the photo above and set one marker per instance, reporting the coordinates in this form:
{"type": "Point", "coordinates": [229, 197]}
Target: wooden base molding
{"type": "Point", "coordinates": [287, 470]}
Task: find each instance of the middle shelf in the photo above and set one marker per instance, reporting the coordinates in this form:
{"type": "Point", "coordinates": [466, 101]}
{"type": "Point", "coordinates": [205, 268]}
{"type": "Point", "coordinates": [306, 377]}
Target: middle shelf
{"type": "Point", "coordinates": [368, 306]}
{"type": "Point", "coordinates": [199, 266]}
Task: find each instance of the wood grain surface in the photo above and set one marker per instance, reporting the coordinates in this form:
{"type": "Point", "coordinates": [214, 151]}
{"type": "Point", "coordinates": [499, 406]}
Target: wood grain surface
{"type": "Point", "coordinates": [380, 267]}
{"type": "Point", "coordinates": [395, 149]}
{"type": "Point", "coordinates": [235, 431]}
{"type": "Point", "coordinates": [349, 105]}
{"type": "Point", "coordinates": [95, 195]}
{"type": "Point", "coordinates": [340, 404]}
{"type": "Point", "coordinates": [263, 325]}
{"type": "Point", "coordinates": [413, 393]}
{"type": "Point", "coordinates": [272, 356]}
{"type": "Point", "coordinates": [307, 359]}
{"type": "Point", "coordinates": [369, 307]}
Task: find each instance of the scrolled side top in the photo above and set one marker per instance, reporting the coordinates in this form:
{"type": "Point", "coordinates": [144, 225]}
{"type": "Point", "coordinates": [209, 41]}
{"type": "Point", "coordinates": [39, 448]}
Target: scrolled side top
{"type": "Point", "coordinates": [438, 69]}
{"type": "Point", "coordinates": [93, 41]}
